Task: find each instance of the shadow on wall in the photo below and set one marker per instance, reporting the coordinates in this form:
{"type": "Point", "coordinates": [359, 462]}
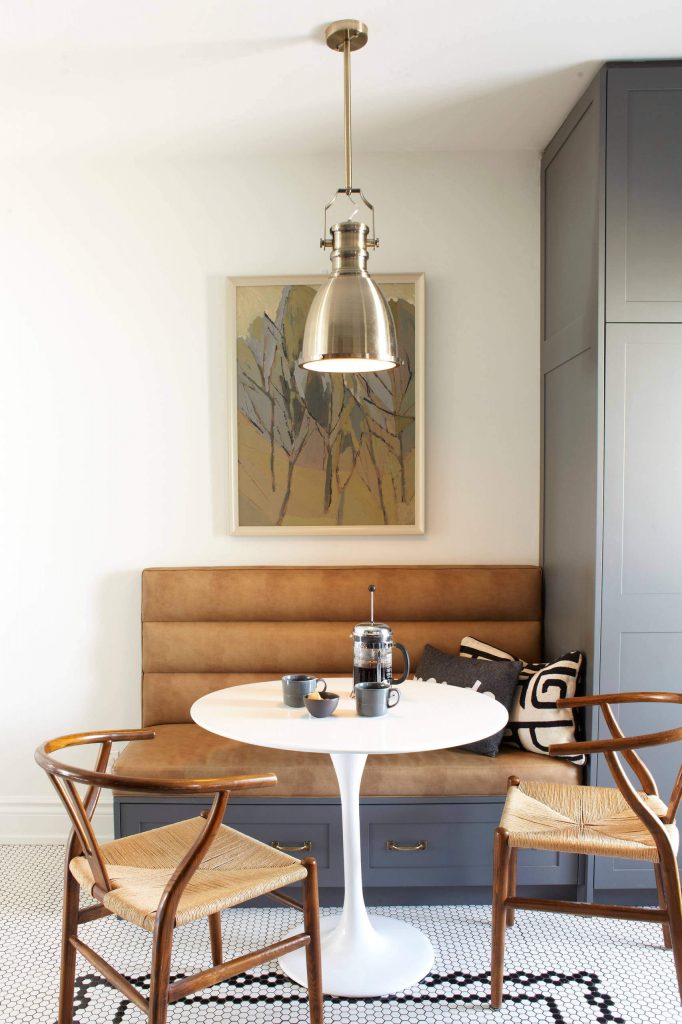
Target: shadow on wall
{"type": "Point", "coordinates": [220, 401]}
{"type": "Point", "coordinates": [501, 112]}
{"type": "Point", "coordinates": [111, 693]}
{"type": "Point", "coordinates": [129, 62]}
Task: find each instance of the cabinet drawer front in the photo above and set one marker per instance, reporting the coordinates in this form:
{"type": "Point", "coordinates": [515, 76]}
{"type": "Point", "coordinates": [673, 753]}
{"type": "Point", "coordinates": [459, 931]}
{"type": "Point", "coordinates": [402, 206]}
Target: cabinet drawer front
{"type": "Point", "coordinates": [297, 826]}
{"type": "Point", "coordinates": [297, 838]}
{"type": "Point", "coordinates": [427, 845]}
{"type": "Point", "coordinates": [442, 845]}
{"type": "Point", "coordinates": [316, 829]}
{"type": "Point", "coordinates": [614, 873]}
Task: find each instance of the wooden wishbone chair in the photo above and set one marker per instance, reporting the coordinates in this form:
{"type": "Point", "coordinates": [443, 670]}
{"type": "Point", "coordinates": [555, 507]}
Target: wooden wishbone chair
{"type": "Point", "coordinates": [205, 867]}
{"type": "Point", "coordinates": [622, 822]}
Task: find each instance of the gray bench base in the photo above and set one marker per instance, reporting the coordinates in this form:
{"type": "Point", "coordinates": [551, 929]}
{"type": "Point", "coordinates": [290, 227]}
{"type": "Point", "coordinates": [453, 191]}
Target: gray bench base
{"type": "Point", "coordinates": [454, 867]}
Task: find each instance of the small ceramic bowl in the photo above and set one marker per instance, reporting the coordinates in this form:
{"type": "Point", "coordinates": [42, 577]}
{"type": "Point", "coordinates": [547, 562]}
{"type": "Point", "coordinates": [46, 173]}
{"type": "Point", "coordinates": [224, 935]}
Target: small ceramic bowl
{"type": "Point", "coordinates": [322, 705]}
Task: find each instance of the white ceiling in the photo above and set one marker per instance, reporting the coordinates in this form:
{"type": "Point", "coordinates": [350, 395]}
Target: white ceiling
{"type": "Point", "coordinates": [240, 76]}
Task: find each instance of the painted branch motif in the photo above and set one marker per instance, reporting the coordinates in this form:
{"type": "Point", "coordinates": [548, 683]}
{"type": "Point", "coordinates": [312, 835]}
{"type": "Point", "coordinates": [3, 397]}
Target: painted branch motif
{"type": "Point", "coordinates": [320, 449]}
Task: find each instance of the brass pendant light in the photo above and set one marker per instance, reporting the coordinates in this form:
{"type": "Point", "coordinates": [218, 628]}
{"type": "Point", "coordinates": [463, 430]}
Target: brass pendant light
{"type": "Point", "coordinates": [349, 327]}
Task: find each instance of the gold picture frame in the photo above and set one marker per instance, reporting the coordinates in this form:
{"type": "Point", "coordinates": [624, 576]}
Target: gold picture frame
{"type": "Point", "coordinates": [311, 455]}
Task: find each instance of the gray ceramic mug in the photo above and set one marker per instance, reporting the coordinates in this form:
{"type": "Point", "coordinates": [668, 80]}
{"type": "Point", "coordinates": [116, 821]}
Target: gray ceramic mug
{"type": "Point", "coordinates": [372, 700]}
{"type": "Point", "coordinates": [297, 686]}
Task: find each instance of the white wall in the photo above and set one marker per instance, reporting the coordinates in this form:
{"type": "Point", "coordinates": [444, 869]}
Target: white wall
{"type": "Point", "coordinates": [113, 398]}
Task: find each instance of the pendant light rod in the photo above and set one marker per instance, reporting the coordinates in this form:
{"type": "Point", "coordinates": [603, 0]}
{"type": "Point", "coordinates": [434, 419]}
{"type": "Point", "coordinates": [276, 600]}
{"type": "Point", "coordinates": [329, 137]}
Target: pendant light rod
{"type": "Point", "coordinates": [345, 37]}
{"type": "Point", "coordinates": [347, 132]}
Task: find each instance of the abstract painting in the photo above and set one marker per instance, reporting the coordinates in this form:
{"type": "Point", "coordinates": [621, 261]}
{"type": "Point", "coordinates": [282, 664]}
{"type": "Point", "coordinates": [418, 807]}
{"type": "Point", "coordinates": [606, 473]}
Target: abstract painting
{"type": "Point", "coordinates": [315, 452]}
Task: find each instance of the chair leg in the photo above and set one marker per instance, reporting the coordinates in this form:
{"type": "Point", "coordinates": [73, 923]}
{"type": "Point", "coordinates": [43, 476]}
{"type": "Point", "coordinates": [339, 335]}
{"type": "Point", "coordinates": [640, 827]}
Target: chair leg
{"type": "Point", "coordinates": [216, 934]}
{"type": "Point", "coordinates": [662, 904]}
{"type": "Point", "coordinates": [311, 923]}
{"type": "Point", "coordinates": [501, 856]}
{"type": "Point", "coordinates": [162, 945]}
{"type": "Point", "coordinates": [513, 858]}
{"type": "Point", "coordinates": [67, 978]}
{"type": "Point", "coordinates": [673, 898]}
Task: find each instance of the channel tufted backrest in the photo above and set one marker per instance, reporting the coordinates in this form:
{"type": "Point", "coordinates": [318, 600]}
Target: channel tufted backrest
{"type": "Point", "coordinates": [207, 628]}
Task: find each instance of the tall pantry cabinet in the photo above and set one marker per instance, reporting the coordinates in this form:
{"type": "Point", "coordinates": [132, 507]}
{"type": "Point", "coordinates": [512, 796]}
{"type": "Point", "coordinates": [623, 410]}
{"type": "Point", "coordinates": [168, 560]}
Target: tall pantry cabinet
{"type": "Point", "coordinates": [612, 403]}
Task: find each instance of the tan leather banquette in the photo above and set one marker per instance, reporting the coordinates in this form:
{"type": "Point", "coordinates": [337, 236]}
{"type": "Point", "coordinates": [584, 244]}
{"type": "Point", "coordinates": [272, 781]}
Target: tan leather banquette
{"type": "Point", "coordinates": [207, 628]}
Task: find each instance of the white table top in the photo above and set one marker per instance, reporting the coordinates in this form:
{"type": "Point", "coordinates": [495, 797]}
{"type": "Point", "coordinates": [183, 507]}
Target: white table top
{"type": "Point", "coordinates": [430, 716]}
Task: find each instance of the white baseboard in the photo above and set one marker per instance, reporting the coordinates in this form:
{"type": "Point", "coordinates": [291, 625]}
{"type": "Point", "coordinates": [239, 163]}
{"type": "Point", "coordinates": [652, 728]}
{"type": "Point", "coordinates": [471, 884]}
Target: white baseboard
{"type": "Point", "coordinates": [34, 820]}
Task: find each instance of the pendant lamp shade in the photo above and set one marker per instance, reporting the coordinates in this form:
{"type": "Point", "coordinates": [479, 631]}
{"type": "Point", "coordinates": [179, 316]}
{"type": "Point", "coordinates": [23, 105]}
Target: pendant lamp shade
{"type": "Point", "coordinates": [349, 327]}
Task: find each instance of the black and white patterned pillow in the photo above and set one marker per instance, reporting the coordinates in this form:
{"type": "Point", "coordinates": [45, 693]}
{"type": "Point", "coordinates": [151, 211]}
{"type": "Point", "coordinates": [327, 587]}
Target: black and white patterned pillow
{"type": "Point", "coordinates": [535, 721]}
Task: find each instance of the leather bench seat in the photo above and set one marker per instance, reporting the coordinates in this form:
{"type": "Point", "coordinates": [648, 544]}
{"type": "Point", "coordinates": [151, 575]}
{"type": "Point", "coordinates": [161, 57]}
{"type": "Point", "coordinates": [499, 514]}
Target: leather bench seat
{"type": "Point", "coordinates": [187, 751]}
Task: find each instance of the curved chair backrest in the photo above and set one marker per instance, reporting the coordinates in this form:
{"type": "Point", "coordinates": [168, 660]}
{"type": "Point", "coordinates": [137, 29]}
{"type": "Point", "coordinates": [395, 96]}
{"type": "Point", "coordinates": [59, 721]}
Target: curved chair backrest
{"type": "Point", "coordinates": [627, 745]}
{"type": "Point", "coordinates": [65, 777]}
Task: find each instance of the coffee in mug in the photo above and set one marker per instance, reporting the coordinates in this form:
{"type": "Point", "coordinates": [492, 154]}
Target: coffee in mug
{"type": "Point", "coordinates": [373, 699]}
{"type": "Point", "coordinates": [296, 686]}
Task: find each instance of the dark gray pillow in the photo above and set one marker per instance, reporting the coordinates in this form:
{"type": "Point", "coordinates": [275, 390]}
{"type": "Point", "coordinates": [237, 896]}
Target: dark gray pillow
{"type": "Point", "coordinates": [496, 677]}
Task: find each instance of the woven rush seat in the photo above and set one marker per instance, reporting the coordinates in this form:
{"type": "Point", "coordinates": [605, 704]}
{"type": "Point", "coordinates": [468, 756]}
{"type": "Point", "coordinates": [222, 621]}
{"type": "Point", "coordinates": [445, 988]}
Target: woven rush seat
{"type": "Point", "coordinates": [235, 869]}
{"type": "Point", "coordinates": [580, 819]}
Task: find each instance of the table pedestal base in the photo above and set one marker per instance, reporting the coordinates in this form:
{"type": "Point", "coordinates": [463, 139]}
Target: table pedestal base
{"type": "Point", "coordinates": [388, 956]}
{"type": "Point", "coordinates": [362, 954]}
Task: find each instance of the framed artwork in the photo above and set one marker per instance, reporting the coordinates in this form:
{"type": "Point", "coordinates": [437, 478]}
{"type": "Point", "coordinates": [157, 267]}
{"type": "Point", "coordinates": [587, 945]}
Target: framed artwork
{"type": "Point", "coordinates": [317, 453]}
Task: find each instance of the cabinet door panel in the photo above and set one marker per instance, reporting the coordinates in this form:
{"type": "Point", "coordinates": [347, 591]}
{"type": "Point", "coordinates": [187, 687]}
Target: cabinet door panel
{"type": "Point", "coordinates": [570, 504]}
{"type": "Point", "coordinates": [644, 195]}
{"type": "Point", "coordinates": [642, 570]}
{"type": "Point", "coordinates": [570, 227]}
{"type": "Point", "coordinates": [572, 279]}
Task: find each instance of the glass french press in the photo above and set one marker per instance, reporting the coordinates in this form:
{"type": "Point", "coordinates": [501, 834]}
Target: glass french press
{"type": "Point", "coordinates": [373, 645]}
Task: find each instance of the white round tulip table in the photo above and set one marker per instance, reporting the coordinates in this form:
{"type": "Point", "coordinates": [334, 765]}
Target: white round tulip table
{"type": "Point", "coordinates": [362, 954]}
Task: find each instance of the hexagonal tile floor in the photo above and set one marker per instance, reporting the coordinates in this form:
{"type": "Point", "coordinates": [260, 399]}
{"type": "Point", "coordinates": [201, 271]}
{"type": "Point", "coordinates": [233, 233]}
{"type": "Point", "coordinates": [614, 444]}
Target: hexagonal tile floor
{"type": "Point", "coordinates": [560, 970]}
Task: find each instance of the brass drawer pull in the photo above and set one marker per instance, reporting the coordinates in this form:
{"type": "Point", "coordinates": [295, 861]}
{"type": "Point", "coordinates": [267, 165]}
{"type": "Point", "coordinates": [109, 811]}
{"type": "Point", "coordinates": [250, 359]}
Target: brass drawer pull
{"type": "Point", "coordinates": [303, 847]}
{"type": "Point", "coordinates": [406, 847]}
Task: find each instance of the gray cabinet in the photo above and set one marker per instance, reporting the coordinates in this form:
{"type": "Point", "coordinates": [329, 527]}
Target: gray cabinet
{"type": "Point", "coordinates": [643, 208]}
{"type": "Point", "coordinates": [572, 289]}
{"type": "Point", "coordinates": [642, 564]}
{"type": "Point", "coordinates": [612, 401]}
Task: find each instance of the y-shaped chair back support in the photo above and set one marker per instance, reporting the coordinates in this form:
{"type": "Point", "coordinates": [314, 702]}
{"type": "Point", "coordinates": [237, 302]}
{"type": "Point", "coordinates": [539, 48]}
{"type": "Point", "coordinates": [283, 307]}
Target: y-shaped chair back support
{"type": "Point", "coordinates": [65, 777]}
{"type": "Point", "coordinates": [628, 746]}
{"type": "Point", "coordinates": [83, 842]}
{"type": "Point", "coordinates": [644, 806]}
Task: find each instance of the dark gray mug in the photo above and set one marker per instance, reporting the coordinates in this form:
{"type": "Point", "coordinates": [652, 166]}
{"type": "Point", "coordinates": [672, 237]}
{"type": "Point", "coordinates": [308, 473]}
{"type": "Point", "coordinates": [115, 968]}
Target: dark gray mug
{"type": "Point", "coordinates": [372, 700]}
{"type": "Point", "coordinates": [297, 686]}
